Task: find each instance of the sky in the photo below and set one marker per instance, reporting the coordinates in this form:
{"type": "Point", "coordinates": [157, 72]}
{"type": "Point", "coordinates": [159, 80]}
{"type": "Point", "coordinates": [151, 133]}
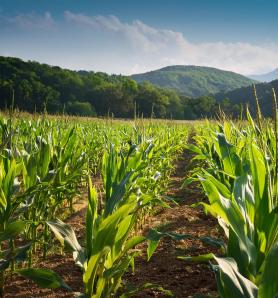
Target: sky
{"type": "Point", "coordinates": [118, 36]}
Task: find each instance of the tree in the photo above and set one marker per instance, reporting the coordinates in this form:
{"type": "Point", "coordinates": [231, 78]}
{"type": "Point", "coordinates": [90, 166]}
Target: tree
{"type": "Point", "coordinates": [151, 101]}
{"type": "Point", "coordinates": [81, 109]}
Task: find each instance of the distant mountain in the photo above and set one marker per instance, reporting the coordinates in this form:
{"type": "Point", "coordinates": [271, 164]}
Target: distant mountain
{"type": "Point", "coordinates": [245, 95]}
{"type": "Point", "coordinates": [194, 81]}
{"type": "Point", "coordinates": [267, 77]}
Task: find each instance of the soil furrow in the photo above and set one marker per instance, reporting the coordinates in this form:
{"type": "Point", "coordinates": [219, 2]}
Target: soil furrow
{"type": "Point", "coordinates": [181, 278]}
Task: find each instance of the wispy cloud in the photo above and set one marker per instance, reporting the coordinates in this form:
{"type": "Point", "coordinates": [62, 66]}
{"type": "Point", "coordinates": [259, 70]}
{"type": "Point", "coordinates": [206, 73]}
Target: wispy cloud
{"type": "Point", "coordinates": [28, 21]}
{"type": "Point", "coordinates": [109, 44]}
{"type": "Point", "coordinates": [159, 47]}
{"type": "Point", "coordinates": [140, 35]}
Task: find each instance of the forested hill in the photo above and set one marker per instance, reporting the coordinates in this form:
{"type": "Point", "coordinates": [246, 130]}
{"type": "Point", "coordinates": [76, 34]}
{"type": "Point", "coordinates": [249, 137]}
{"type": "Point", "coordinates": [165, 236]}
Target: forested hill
{"type": "Point", "coordinates": [246, 96]}
{"type": "Point", "coordinates": [31, 86]}
{"type": "Point", "coordinates": [37, 87]}
{"type": "Point", "coordinates": [194, 81]}
{"type": "Point", "coordinates": [233, 102]}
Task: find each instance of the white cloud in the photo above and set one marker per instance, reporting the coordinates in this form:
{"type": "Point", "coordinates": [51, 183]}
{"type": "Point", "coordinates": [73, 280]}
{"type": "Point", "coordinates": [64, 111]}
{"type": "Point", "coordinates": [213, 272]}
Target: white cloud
{"type": "Point", "coordinates": [106, 43]}
{"type": "Point", "coordinates": [140, 35]}
{"type": "Point", "coordinates": [28, 21]}
{"type": "Point", "coordinates": [156, 48]}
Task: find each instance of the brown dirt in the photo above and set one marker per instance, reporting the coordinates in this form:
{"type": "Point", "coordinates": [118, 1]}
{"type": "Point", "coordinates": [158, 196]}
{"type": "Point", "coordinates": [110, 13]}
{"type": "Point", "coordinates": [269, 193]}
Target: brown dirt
{"type": "Point", "coordinates": [183, 279]}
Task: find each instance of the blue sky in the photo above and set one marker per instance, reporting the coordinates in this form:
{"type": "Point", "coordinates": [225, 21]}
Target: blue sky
{"type": "Point", "coordinates": [136, 36]}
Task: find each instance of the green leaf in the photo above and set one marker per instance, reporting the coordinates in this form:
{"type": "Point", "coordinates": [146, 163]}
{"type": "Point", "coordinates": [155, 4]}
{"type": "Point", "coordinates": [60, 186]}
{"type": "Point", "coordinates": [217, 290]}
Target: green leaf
{"type": "Point", "coordinates": [258, 168]}
{"type": "Point", "coordinates": [152, 246]}
{"type": "Point", "coordinates": [269, 282]}
{"type": "Point", "coordinates": [3, 200]}
{"type": "Point", "coordinates": [66, 235]}
{"type": "Point", "coordinates": [201, 258]}
{"type": "Point", "coordinates": [12, 230]}
{"type": "Point", "coordinates": [91, 217]}
{"type": "Point", "coordinates": [93, 264]}
{"type": "Point", "coordinates": [154, 237]}
{"type": "Point", "coordinates": [118, 193]}
{"type": "Point", "coordinates": [118, 269]}
{"type": "Point", "coordinates": [107, 229]}
{"type": "Point", "coordinates": [231, 283]}
{"type": "Point", "coordinates": [45, 278]}
{"type": "Point", "coordinates": [229, 156]}
{"type": "Point", "coordinates": [131, 243]}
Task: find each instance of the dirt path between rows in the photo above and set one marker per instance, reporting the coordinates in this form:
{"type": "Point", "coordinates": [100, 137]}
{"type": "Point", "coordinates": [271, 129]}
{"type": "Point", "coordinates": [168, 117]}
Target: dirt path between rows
{"type": "Point", "coordinates": [165, 269]}
{"type": "Point", "coordinates": [183, 279]}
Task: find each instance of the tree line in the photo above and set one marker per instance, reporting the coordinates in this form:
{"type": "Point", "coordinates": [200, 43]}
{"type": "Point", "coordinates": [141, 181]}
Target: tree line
{"type": "Point", "coordinates": [31, 86]}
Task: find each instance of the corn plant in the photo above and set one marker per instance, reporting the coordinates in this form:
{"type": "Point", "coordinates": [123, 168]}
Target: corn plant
{"type": "Point", "coordinates": [43, 166]}
{"type": "Point", "coordinates": [241, 191]}
{"type": "Point", "coordinates": [107, 251]}
{"type": "Point", "coordinates": [9, 228]}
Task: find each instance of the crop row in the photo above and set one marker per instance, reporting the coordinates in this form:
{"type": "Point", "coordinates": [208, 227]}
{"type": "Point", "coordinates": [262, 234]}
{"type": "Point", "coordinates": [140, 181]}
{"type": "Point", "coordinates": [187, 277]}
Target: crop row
{"type": "Point", "coordinates": [45, 165]}
{"type": "Point", "coordinates": [238, 166]}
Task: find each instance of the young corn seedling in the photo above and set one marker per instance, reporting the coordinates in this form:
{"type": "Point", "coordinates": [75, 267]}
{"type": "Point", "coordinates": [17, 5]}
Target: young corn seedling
{"type": "Point", "coordinates": [108, 249]}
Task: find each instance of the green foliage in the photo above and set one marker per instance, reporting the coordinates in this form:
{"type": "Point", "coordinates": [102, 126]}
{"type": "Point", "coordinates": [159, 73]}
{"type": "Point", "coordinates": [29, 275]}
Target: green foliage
{"type": "Point", "coordinates": [194, 81]}
{"type": "Point", "coordinates": [239, 181]}
{"type": "Point", "coordinates": [44, 164]}
{"type": "Point", "coordinates": [108, 251]}
{"type": "Point", "coordinates": [245, 96]}
{"type": "Point", "coordinates": [81, 109]}
{"type": "Point", "coordinates": [30, 86]}
{"type": "Point", "coordinates": [45, 278]}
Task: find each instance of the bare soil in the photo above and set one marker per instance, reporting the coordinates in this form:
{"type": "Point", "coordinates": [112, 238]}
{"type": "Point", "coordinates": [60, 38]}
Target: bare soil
{"type": "Point", "coordinates": [183, 279]}
{"type": "Point", "coordinates": [165, 269]}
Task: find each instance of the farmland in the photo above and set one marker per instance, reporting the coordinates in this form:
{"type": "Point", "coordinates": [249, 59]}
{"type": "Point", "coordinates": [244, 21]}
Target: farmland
{"type": "Point", "coordinates": [138, 208]}
{"type": "Point", "coordinates": [138, 149]}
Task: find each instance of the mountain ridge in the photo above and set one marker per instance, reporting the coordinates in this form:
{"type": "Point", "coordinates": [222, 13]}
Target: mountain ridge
{"type": "Point", "coordinates": [194, 80]}
{"type": "Point", "coordinates": [266, 77]}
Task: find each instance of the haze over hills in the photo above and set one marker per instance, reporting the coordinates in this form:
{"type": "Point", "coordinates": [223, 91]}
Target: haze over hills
{"type": "Point", "coordinates": [194, 81]}
{"type": "Point", "coordinates": [266, 77]}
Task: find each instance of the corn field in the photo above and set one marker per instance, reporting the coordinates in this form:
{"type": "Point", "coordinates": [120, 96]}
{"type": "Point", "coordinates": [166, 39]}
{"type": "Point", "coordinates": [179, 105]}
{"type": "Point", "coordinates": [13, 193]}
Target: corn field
{"type": "Point", "coordinates": [49, 163]}
{"type": "Point", "coordinates": [46, 164]}
{"type": "Point", "coordinates": [239, 177]}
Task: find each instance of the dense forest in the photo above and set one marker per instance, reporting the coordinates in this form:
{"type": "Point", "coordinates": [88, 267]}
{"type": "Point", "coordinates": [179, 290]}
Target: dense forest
{"type": "Point", "coordinates": [235, 101]}
{"type": "Point", "coordinates": [31, 86]}
{"type": "Point", "coordinates": [245, 96]}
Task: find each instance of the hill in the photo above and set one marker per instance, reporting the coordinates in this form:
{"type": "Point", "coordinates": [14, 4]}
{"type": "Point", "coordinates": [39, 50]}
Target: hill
{"type": "Point", "coordinates": [31, 86]}
{"type": "Point", "coordinates": [267, 77]}
{"type": "Point", "coordinates": [245, 95]}
{"type": "Point", "coordinates": [194, 81]}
